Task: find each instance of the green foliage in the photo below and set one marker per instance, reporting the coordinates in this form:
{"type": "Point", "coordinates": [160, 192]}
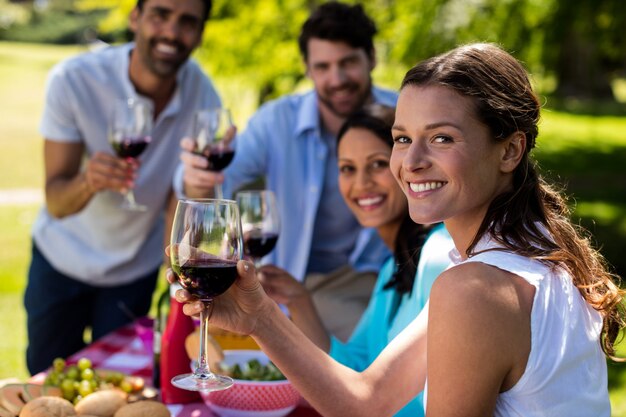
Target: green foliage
{"type": "Point", "coordinates": [256, 42]}
{"type": "Point", "coordinates": [59, 23]}
{"type": "Point", "coordinates": [12, 14]}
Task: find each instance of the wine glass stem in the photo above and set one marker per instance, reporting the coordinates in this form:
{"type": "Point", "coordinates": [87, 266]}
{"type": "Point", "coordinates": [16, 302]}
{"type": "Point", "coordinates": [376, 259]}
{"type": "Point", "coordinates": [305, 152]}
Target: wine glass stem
{"type": "Point", "coordinates": [130, 197]}
{"type": "Point", "coordinates": [203, 359]}
{"type": "Point", "coordinates": [218, 191]}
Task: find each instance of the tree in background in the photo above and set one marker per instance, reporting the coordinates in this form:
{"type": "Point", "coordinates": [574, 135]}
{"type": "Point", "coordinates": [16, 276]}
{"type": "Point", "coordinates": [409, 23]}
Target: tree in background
{"type": "Point", "coordinates": [575, 48]}
{"type": "Point", "coordinates": [587, 49]}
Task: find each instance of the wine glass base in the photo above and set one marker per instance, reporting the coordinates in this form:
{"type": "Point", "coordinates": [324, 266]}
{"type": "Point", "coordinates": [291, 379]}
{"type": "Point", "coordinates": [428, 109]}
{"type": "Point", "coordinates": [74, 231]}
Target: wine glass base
{"type": "Point", "coordinates": [204, 383]}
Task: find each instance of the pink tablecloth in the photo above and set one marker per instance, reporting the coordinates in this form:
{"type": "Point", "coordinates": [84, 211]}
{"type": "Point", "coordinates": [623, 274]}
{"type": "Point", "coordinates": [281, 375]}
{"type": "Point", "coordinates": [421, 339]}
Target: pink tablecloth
{"type": "Point", "coordinates": [124, 351]}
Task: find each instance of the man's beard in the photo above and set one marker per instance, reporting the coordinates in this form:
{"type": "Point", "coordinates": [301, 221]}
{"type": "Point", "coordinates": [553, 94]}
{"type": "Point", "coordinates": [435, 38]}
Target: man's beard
{"type": "Point", "coordinates": [162, 68]}
{"type": "Point", "coordinates": [360, 102]}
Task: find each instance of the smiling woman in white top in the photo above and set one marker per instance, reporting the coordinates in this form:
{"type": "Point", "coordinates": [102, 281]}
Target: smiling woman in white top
{"type": "Point", "coordinates": [521, 324]}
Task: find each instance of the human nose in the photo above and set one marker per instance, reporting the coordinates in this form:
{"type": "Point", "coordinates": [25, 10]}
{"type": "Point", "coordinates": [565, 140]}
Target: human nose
{"type": "Point", "coordinates": [415, 157]}
{"type": "Point", "coordinates": [363, 180]}
{"type": "Point", "coordinates": [171, 29]}
{"type": "Point", "coordinates": [337, 75]}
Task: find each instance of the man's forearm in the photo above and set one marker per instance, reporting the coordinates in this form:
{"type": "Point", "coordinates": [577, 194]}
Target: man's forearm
{"type": "Point", "coordinates": [66, 196]}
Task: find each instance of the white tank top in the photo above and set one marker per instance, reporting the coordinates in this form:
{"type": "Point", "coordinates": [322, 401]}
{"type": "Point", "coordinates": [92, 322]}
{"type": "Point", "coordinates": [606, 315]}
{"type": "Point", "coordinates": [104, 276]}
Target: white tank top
{"type": "Point", "coordinates": [566, 373]}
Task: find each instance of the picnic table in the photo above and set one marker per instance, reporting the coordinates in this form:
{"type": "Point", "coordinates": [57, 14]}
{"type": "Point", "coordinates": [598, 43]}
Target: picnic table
{"type": "Point", "coordinates": [123, 350]}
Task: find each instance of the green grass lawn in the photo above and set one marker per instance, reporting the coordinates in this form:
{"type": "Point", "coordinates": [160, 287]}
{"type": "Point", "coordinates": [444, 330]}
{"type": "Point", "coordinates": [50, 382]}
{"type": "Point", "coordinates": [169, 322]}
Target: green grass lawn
{"type": "Point", "coordinates": [585, 154]}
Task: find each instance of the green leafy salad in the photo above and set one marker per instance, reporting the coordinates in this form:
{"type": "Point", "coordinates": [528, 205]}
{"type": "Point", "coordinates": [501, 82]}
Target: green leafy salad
{"type": "Point", "coordinates": [253, 370]}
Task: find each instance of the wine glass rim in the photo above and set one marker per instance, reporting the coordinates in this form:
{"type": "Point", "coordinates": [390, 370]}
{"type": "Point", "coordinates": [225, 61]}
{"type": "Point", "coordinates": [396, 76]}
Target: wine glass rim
{"type": "Point", "coordinates": [207, 200]}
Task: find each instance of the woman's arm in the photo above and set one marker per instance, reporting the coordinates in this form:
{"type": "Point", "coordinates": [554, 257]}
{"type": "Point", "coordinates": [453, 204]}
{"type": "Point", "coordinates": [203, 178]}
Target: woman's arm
{"type": "Point", "coordinates": [285, 289]}
{"type": "Point", "coordinates": [333, 389]}
{"type": "Point", "coordinates": [478, 339]}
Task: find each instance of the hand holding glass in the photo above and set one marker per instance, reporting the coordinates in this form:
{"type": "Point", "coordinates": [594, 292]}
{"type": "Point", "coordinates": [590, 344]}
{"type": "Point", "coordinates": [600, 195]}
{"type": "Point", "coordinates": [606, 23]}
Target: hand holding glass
{"type": "Point", "coordinates": [205, 247]}
{"type": "Point", "coordinates": [211, 133]}
{"type": "Point", "coordinates": [260, 222]}
{"type": "Point", "coordinates": [129, 133]}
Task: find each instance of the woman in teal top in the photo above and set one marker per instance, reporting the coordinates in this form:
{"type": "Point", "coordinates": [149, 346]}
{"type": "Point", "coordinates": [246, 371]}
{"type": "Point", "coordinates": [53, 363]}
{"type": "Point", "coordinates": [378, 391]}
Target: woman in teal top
{"type": "Point", "coordinates": [420, 253]}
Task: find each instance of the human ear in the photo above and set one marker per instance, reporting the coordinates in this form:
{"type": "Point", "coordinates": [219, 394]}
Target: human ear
{"type": "Point", "coordinates": [133, 18]}
{"type": "Point", "coordinates": [372, 57]}
{"type": "Point", "coordinates": [513, 151]}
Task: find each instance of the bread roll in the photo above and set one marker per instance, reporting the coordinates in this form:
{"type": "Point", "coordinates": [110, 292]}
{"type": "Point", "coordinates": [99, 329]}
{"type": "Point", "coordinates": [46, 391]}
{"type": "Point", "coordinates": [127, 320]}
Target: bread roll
{"type": "Point", "coordinates": [101, 403]}
{"type": "Point", "coordinates": [48, 407]}
{"type": "Point", "coordinates": [143, 408]}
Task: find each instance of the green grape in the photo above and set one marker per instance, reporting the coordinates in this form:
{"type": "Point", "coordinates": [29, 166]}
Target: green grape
{"type": "Point", "coordinates": [126, 386]}
{"type": "Point", "coordinates": [116, 378]}
{"type": "Point", "coordinates": [77, 399]}
{"type": "Point", "coordinates": [87, 374]}
{"type": "Point", "coordinates": [85, 388]}
{"type": "Point", "coordinates": [72, 372]}
{"type": "Point", "coordinates": [67, 385]}
{"type": "Point", "coordinates": [84, 363]}
{"type": "Point", "coordinates": [67, 389]}
{"type": "Point", "coordinates": [58, 364]}
{"type": "Point", "coordinates": [52, 378]}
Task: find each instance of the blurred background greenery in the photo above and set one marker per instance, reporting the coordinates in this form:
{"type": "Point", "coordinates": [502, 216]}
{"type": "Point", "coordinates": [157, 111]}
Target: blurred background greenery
{"type": "Point", "coordinates": [575, 50]}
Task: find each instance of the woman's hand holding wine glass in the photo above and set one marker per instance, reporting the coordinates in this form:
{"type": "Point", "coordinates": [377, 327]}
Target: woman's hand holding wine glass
{"type": "Point", "coordinates": [129, 133]}
{"type": "Point", "coordinates": [205, 246]}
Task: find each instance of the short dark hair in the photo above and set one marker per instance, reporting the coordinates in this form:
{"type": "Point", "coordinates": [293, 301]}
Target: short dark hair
{"type": "Point", "coordinates": [336, 21]}
{"type": "Point", "coordinates": [207, 7]}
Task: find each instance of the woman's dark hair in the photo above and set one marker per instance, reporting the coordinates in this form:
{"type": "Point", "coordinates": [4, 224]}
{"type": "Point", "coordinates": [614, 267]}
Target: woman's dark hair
{"type": "Point", "coordinates": [338, 22]}
{"type": "Point", "coordinates": [207, 7]}
{"type": "Point", "coordinates": [378, 119]}
{"type": "Point", "coordinates": [531, 219]}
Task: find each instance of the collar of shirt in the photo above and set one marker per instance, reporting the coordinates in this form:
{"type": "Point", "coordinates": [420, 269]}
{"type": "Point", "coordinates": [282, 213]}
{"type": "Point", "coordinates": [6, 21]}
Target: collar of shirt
{"type": "Point", "coordinates": [174, 105]}
{"type": "Point", "coordinates": [309, 115]}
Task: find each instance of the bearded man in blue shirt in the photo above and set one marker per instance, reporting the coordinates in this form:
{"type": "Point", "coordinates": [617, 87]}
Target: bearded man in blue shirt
{"type": "Point", "coordinates": [291, 142]}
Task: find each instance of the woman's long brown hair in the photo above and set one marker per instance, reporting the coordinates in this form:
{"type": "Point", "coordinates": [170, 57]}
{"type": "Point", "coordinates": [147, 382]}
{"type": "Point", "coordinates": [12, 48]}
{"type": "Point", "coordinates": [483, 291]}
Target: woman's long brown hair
{"type": "Point", "coordinates": [532, 219]}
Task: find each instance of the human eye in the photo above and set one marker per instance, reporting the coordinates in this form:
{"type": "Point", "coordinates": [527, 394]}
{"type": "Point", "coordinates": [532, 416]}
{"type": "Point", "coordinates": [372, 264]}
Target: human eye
{"type": "Point", "coordinates": [190, 23]}
{"type": "Point", "coordinates": [158, 14]}
{"type": "Point", "coordinates": [401, 140]}
{"type": "Point", "coordinates": [350, 62]}
{"type": "Point", "coordinates": [346, 169]}
{"type": "Point", "coordinates": [442, 139]}
{"type": "Point", "coordinates": [380, 164]}
{"type": "Point", "coordinates": [319, 68]}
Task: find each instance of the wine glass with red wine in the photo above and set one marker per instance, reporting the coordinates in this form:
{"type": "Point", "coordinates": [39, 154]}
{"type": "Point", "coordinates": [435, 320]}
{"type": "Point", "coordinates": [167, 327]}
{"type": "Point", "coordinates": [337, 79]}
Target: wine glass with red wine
{"type": "Point", "coordinates": [129, 133]}
{"type": "Point", "coordinates": [260, 222]}
{"type": "Point", "coordinates": [205, 246]}
{"type": "Point", "coordinates": [211, 132]}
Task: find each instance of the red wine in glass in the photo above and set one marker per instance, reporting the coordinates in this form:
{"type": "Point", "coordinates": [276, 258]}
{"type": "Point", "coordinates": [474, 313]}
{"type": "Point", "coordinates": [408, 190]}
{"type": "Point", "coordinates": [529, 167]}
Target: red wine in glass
{"type": "Point", "coordinates": [218, 158]}
{"type": "Point", "coordinates": [206, 278]}
{"type": "Point", "coordinates": [260, 222]}
{"type": "Point", "coordinates": [129, 134]}
{"type": "Point", "coordinates": [212, 133]}
{"type": "Point", "coordinates": [257, 244]}
{"type": "Point", "coordinates": [130, 147]}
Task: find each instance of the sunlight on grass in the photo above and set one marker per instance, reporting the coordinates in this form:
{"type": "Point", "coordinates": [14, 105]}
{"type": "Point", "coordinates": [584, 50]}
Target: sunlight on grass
{"type": "Point", "coordinates": [560, 131]}
{"type": "Point", "coordinates": [13, 340]}
{"type": "Point", "coordinates": [15, 223]}
{"type": "Point", "coordinates": [604, 213]}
